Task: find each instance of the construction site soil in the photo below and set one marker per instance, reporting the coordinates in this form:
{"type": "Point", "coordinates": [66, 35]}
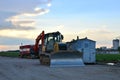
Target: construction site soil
{"type": "Point", "coordinates": [30, 69]}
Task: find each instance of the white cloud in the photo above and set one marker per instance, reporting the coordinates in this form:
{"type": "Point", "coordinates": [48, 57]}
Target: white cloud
{"type": "Point", "coordinates": [24, 12]}
{"type": "Point", "coordinates": [18, 22]}
{"type": "Point", "coordinates": [37, 11]}
{"type": "Point", "coordinates": [49, 4]}
{"type": "Point", "coordinates": [22, 6]}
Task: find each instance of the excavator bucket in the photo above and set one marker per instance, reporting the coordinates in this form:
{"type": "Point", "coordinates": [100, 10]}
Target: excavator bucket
{"type": "Point", "coordinates": [66, 59]}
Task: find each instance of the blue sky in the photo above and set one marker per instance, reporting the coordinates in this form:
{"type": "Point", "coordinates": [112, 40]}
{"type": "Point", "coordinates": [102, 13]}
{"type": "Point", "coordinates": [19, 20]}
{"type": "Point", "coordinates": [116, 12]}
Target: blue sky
{"type": "Point", "coordinates": [22, 20]}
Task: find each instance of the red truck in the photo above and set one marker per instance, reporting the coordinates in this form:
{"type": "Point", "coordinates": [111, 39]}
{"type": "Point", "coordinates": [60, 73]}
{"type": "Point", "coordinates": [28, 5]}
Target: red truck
{"type": "Point", "coordinates": [25, 50]}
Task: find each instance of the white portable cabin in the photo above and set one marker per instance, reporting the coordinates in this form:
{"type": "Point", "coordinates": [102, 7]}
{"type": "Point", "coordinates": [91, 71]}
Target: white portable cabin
{"type": "Point", "coordinates": [86, 46]}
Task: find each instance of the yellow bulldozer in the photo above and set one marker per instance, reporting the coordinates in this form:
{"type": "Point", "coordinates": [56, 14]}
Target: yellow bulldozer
{"type": "Point", "coordinates": [54, 52]}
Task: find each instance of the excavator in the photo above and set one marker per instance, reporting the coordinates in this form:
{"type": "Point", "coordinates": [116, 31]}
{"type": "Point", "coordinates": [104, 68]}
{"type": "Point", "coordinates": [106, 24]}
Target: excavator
{"type": "Point", "coordinates": [53, 52]}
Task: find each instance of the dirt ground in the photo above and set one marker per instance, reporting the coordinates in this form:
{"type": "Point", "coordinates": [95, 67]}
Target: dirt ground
{"type": "Point", "coordinates": [30, 69]}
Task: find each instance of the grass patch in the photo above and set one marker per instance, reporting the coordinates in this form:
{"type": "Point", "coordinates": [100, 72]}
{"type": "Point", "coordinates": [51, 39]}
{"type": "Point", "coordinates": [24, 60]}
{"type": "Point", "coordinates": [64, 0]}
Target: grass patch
{"type": "Point", "coordinates": [108, 57]}
{"type": "Point", "coordinates": [99, 57]}
{"type": "Point", "coordinates": [10, 54]}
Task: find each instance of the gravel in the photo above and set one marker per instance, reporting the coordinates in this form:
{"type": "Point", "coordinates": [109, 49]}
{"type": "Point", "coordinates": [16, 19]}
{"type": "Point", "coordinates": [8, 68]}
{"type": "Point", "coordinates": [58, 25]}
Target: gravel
{"type": "Point", "coordinates": [30, 69]}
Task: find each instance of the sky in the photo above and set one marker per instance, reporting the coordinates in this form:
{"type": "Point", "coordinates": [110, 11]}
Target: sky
{"type": "Point", "coordinates": [21, 21]}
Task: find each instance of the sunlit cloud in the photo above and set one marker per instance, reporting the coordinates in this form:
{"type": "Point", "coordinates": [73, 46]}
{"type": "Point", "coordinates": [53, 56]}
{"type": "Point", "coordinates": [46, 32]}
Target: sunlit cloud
{"type": "Point", "coordinates": [18, 22]}
{"type": "Point", "coordinates": [38, 11]}
{"type": "Point", "coordinates": [98, 34]}
{"type": "Point", "coordinates": [25, 19]}
{"type": "Point", "coordinates": [60, 28]}
{"type": "Point", "coordinates": [9, 47]}
{"type": "Point", "coordinates": [31, 34]}
{"type": "Point", "coordinates": [11, 39]}
{"type": "Point", "coordinates": [2, 47]}
{"type": "Point", "coordinates": [103, 37]}
{"type": "Point", "coordinates": [23, 16]}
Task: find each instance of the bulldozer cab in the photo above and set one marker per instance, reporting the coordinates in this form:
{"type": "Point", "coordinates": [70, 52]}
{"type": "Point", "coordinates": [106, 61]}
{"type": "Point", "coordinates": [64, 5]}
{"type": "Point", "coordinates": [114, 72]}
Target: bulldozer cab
{"type": "Point", "coordinates": [51, 39]}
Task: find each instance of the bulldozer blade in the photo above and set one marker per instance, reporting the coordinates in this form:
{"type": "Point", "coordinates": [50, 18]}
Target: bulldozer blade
{"type": "Point", "coordinates": [66, 59]}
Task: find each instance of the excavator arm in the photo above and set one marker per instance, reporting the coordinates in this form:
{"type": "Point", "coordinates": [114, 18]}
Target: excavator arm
{"type": "Point", "coordinates": [40, 37]}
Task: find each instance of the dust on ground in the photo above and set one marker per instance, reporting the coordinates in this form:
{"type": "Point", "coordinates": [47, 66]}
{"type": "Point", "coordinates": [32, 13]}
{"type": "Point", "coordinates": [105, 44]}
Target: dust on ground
{"type": "Point", "coordinates": [30, 69]}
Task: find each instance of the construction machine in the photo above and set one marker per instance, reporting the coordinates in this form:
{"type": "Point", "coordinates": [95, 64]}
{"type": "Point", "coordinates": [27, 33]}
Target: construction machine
{"type": "Point", "coordinates": [25, 51]}
{"type": "Point", "coordinates": [53, 52]}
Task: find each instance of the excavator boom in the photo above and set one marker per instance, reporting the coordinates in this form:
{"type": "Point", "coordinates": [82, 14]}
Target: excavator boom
{"type": "Point", "coordinates": [40, 37]}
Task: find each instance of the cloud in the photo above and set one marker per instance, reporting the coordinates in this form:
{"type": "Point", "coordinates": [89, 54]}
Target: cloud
{"type": "Point", "coordinates": [22, 6]}
{"type": "Point", "coordinates": [55, 27]}
{"type": "Point", "coordinates": [31, 34]}
{"type": "Point", "coordinates": [11, 39]}
{"type": "Point", "coordinates": [9, 47]}
{"type": "Point", "coordinates": [49, 4]}
{"type": "Point", "coordinates": [14, 23]}
{"type": "Point", "coordinates": [19, 23]}
{"type": "Point", "coordinates": [2, 47]}
{"type": "Point", "coordinates": [97, 34]}
{"type": "Point", "coordinates": [19, 14]}
{"type": "Point", "coordinates": [102, 36]}
{"type": "Point", "coordinates": [4, 40]}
